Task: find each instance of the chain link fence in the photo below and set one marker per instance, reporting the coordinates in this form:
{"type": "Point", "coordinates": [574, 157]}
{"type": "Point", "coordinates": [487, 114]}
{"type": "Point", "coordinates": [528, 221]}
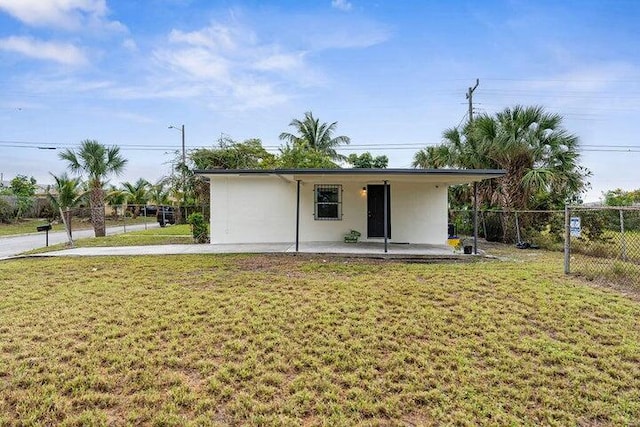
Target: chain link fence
{"type": "Point", "coordinates": [527, 229]}
{"type": "Point", "coordinates": [603, 243]}
{"type": "Point", "coordinates": [127, 217]}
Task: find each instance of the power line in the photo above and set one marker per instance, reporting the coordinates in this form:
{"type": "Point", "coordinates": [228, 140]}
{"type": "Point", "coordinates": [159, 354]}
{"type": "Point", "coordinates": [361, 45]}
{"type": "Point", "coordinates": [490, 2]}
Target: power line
{"type": "Point", "coordinates": [42, 145]}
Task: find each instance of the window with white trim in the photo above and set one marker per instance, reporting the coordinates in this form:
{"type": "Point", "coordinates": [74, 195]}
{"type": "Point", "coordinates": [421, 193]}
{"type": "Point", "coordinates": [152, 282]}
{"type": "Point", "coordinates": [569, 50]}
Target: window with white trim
{"type": "Point", "coordinates": [328, 202]}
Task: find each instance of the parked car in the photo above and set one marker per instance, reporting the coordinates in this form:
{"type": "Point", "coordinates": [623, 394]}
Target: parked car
{"type": "Point", "coordinates": [165, 215]}
{"type": "Point", "coordinates": [149, 210]}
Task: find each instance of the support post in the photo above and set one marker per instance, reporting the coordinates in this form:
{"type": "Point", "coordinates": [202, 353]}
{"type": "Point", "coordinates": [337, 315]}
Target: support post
{"type": "Point", "coordinates": [298, 217]}
{"type": "Point", "coordinates": [385, 216]}
{"type": "Point", "coordinates": [623, 243]}
{"type": "Point", "coordinates": [475, 218]}
{"type": "Point", "coordinates": [567, 239]}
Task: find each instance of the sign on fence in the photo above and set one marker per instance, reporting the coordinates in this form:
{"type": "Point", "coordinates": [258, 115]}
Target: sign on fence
{"type": "Point", "coordinates": [575, 226]}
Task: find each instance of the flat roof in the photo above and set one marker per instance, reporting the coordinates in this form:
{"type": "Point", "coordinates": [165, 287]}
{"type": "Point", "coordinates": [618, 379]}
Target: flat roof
{"type": "Point", "coordinates": [452, 176]}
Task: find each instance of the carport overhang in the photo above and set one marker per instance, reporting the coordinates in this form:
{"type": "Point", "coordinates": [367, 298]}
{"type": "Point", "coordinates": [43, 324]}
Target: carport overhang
{"type": "Point", "coordinates": [444, 176]}
{"type": "Point", "coordinates": [385, 176]}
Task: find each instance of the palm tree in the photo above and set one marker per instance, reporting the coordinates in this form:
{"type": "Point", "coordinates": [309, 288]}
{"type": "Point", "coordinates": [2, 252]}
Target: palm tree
{"type": "Point", "coordinates": [539, 156]}
{"type": "Point", "coordinates": [315, 136]}
{"type": "Point", "coordinates": [159, 194]}
{"type": "Point", "coordinates": [96, 162]}
{"type": "Point", "coordinates": [137, 194]}
{"type": "Point", "coordinates": [115, 197]}
{"type": "Point", "coordinates": [67, 193]}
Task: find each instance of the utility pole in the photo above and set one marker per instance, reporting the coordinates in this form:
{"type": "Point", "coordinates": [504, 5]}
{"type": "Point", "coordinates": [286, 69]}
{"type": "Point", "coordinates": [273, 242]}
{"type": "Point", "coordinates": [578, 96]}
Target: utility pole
{"type": "Point", "coordinates": [470, 98]}
{"type": "Point", "coordinates": [475, 184]}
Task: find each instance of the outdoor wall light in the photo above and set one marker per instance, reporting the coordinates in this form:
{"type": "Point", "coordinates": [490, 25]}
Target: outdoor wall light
{"type": "Point", "coordinates": [364, 191]}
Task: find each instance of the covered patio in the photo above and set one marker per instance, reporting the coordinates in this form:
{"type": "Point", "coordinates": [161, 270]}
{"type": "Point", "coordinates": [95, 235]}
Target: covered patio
{"type": "Point", "coordinates": [360, 249]}
{"type": "Point", "coordinates": [314, 210]}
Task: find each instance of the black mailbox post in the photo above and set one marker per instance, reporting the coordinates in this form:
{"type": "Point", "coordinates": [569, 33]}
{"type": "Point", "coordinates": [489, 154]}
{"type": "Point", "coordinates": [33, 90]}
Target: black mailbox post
{"type": "Point", "coordinates": [46, 229]}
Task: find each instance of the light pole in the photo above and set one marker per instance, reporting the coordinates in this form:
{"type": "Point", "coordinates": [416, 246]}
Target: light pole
{"type": "Point", "coordinates": [181, 130]}
{"type": "Point", "coordinates": [183, 166]}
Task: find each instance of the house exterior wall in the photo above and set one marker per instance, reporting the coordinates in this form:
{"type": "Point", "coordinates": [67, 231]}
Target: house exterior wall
{"type": "Point", "coordinates": [252, 210]}
{"type": "Point", "coordinates": [247, 209]}
{"type": "Point", "coordinates": [419, 213]}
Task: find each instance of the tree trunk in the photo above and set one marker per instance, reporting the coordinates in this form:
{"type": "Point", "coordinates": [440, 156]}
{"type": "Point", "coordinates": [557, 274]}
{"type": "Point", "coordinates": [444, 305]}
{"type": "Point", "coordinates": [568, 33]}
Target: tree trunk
{"type": "Point", "coordinates": [97, 211]}
{"type": "Point", "coordinates": [67, 217]}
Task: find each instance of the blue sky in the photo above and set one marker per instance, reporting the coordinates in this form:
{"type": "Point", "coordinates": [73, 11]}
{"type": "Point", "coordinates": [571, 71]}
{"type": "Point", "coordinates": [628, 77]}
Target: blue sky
{"type": "Point", "coordinates": [393, 74]}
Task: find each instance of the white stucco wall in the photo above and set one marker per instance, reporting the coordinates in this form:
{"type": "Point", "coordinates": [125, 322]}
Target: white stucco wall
{"type": "Point", "coordinates": [419, 213]}
{"type": "Point", "coordinates": [259, 209]}
{"type": "Point", "coordinates": [252, 210]}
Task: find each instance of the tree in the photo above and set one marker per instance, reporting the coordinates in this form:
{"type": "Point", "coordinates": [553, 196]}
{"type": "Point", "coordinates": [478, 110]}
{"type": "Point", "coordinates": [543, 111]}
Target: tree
{"type": "Point", "coordinates": [292, 157]}
{"type": "Point", "coordinates": [540, 158]}
{"type": "Point", "coordinates": [159, 194]}
{"type": "Point", "coordinates": [115, 197]}
{"type": "Point", "coordinates": [230, 154]}
{"type": "Point", "coordinates": [96, 162]}
{"type": "Point", "coordinates": [136, 194]}
{"type": "Point", "coordinates": [619, 197]}
{"type": "Point", "coordinates": [315, 136]}
{"type": "Point", "coordinates": [24, 190]}
{"type": "Point", "coordinates": [366, 160]}
{"type": "Point", "coordinates": [67, 193]}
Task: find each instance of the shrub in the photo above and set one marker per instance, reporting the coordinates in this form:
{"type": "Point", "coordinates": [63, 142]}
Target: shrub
{"type": "Point", "coordinates": [199, 227]}
{"type": "Point", "coordinates": [7, 211]}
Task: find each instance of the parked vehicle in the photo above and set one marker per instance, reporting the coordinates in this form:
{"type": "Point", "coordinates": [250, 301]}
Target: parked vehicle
{"type": "Point", "coordinates": [165, 215]}
{"type": "Point", "coordinates": [149, 210]}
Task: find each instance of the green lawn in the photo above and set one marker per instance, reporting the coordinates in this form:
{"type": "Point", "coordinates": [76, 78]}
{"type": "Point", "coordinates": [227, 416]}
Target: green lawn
{"type": "Point", "coordinates": [29, 225]}
{"type": "Point", "coordinates": [283, 340]}
{"type": "Point", "coordinates": [170, 235]}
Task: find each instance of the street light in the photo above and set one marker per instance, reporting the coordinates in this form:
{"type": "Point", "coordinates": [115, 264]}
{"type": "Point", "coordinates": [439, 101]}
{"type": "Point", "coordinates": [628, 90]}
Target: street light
{"type": "Point", "coordinates": [181, 130]}
{"type": "Point", "coordinates": [182, 168]}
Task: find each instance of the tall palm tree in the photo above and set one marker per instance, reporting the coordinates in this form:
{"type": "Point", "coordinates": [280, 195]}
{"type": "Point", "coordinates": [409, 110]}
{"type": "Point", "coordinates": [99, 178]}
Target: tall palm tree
{"type": "Point", "coordinates": [137, 194]}
{"type": "Point", "coordinates": [67, 193]}
{"type": "Point", "coordinates": [315, 136]}
{"type": "Point", "coordinates": [96, 162]}
{"type": "Point", "coordinates": [539, 156]}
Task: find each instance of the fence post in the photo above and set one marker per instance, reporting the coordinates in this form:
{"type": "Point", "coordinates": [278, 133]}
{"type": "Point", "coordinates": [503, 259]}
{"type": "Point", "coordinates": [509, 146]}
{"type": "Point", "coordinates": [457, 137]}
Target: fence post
{"type": "Point", "coordinates": [124, 220]}
{"type": "Point", "coordinates": [567, 239]}
{"type": "Point", "coordinates": [623, 243]}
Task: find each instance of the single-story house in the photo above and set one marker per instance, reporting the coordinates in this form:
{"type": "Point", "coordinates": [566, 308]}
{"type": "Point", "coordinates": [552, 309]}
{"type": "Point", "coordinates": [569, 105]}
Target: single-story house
{"type": "Point", "coordinates": [322, 205]}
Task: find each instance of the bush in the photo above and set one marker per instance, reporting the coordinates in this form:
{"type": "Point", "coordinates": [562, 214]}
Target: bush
{"type": "Point", "coordinates": [493, 226]}
{"type": "Point", "coordinates": [6, 211]}
{"type": "Point", "coordinates": [199, 227]}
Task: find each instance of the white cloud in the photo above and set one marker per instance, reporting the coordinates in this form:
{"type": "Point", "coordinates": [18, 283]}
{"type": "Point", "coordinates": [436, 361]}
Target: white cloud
{"type": "Point", "coordinates": [67, 14]}
{"type": "Point", "coordinates": [63, 53]}
{"type": "Point", "coordinates": [130, 45]}
{"type": "Point", "coordinates": [341, 5]}
{"type": "Point", "coordinates": [280, 61]}
{"type": "Point", "coordinates": [230, 60]}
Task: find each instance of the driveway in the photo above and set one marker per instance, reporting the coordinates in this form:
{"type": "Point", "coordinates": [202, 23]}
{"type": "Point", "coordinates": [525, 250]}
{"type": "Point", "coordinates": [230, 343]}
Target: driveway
{"type": "Point", "coordinates": [14, 245]}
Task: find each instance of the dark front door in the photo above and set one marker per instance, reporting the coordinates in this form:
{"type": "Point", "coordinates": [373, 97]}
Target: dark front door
{"type": "Point", "coordinates": [375, 211]}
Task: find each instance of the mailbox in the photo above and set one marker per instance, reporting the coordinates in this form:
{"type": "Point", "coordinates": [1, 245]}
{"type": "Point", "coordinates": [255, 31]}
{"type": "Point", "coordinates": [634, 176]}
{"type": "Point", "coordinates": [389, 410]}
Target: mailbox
{"type": "Point", "coordinates": [45, 227]}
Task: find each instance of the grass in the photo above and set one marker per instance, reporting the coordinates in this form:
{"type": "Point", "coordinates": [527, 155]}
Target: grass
{"type": "Point", "coordinates": [28, 225]}
{"type": "Point", "coordinates": [175, 234]}
{"type": "Point", "coordinates": [281, 340]}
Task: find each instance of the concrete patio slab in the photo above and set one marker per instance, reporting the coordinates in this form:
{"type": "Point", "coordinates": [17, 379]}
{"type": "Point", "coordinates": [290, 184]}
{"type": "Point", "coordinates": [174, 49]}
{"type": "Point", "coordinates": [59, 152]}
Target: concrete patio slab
{"type": "Point", "coordinates": [327, 248]}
